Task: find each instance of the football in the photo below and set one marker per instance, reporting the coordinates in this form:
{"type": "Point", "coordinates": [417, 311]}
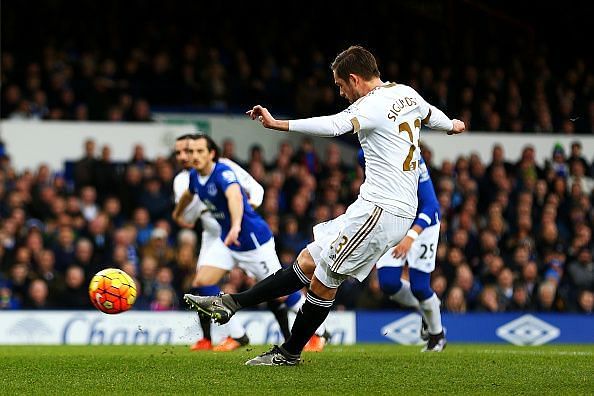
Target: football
{"type": "Point", "coordinates": [112, 291]}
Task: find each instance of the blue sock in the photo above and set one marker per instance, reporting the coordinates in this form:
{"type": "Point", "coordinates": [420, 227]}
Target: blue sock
{"type": "Point", "coordinates": [389, 279]}
{"type": "Point", "coordinates": [212, 290]}
{"type": "Point", "coordinates": [420, 284]}
{"type": "Point", "coordinates": [293, 299]}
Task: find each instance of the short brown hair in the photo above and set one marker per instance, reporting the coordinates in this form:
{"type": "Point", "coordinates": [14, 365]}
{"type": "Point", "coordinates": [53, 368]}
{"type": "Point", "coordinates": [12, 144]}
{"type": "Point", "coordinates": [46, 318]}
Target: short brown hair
{"type": "Point", "coordinates": [210, 144]}
{"type": "Point", "coordinates": [355, 60]}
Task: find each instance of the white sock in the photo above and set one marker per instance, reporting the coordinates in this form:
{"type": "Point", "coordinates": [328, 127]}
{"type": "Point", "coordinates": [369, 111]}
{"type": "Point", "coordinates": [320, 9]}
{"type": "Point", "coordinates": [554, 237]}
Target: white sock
{"type": "Point", "coordinates": [430, 310]}
{"type": "Point", "coordinates": [234, 328]}
{"type": "Point", "coordinates": [295, 308]}
{"type": "Point", "coordinates": [405, 297]}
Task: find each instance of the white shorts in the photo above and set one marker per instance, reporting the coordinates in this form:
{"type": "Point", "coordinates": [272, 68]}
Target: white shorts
{"type": "Point", "coordinates": [421, 255]}
{"type": "Point", "coordinates": [214, 253]}
{"type": "Point", "coordinates": [259, 263]}
{"type": "Point", "coordinates": [351, 244]}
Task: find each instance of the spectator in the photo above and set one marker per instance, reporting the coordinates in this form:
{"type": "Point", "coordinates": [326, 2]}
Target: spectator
{"type": "Point", "coordinates": [455, 301]}
{"type": "Point", "coordinates": [547, 295]}
{"type": "Point", "coordinates": [165, 300]}
{"type": "Point", "coordinates": [7, 300]}
{"type": "Point", "coordinates": [520, 300]}
{"type": "Point", "coordinates": [37, 296]}
{"type": "Point", "coordinates": [84, 168]}
{"type": "Point", "coordinates": [585, 302]}
{"type": "Point", "coordinates": [75, 294]}
{"type": "Point", "coordinates": [292, 238]}
{"type": "Point", "coordinates": [581, 271]}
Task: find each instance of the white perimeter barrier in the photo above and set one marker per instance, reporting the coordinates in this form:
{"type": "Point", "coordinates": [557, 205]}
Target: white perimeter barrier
{"type": "Point", "coordinates": [135, 327]}
{"type": "Point", "coordinates": [52, 142]}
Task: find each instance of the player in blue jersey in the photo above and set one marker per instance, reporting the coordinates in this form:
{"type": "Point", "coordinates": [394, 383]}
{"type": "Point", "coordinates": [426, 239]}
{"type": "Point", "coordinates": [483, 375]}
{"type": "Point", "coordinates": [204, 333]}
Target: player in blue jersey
{"type": "Point", "coordinates": [243, 231]}
{"type": "Point", "coordinates": [418, 248]}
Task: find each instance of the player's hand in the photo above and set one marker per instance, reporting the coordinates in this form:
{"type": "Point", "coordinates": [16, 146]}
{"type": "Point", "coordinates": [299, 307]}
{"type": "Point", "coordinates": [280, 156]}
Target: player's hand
{"type": "Point", "coordinates": [403, 247]}
{"type": "Point", "coordinates": [232, 237]}
{"type": "Point", "coordinates": [458, 127]}
{"type": "Point", "coordinates": [263, 115]}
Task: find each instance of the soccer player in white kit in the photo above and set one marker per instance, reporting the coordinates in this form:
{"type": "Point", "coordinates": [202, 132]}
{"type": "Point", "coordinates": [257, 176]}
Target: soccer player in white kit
{"type": "Point", "coordinates": [387, 118]}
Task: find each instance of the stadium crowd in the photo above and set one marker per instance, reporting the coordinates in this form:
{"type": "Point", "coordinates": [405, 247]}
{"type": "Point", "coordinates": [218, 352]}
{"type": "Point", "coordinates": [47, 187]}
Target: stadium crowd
{"type": "Point", "coordinates": [520, 82]}
{"type": "Point", "coordinates": [514, 237]}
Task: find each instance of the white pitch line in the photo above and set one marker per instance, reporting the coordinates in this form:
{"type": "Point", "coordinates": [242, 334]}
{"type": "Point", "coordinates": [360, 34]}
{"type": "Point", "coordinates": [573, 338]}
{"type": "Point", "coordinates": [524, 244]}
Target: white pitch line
{"type": "Point", "coordinates": [543, 353]}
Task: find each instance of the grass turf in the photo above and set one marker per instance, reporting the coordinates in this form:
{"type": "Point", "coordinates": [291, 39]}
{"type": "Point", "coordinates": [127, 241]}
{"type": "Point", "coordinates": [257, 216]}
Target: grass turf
{"type": "Point", "coordinates": [357, 369]}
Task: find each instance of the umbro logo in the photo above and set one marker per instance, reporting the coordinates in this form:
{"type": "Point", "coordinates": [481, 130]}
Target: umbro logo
{"type": "Point", "coordinates": [405, 330]}
{"type": "Point", "coordinates": [528, 330]}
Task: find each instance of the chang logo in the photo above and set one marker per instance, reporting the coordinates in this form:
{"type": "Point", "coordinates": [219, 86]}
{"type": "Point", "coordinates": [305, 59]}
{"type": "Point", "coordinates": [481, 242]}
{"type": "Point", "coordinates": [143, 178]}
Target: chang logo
{"type": "Point", "coordinates": [405, 330]}
{"type": "Point", "coordinates": [528, 330]}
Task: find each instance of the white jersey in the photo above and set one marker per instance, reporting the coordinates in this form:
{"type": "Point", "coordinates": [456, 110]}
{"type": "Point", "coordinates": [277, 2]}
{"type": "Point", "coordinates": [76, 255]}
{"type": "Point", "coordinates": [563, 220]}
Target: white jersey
{"type": "Point", "coordinates": [197, 209]}
{"type": "Point", "coordinates": [388, 121]}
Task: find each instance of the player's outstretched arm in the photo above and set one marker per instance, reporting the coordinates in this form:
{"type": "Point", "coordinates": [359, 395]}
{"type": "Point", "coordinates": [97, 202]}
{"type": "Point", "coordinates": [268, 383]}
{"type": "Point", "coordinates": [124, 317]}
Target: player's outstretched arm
{"type": "Point", "coordinates": [267, 120]}
{"type": "Point", "coordinates": [436, 119]}
{"type": "Point", "coordinates": [325, 126]}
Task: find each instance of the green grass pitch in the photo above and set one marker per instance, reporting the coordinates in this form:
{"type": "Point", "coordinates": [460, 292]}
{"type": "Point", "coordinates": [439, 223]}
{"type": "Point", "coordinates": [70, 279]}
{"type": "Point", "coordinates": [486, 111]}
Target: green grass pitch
{"type": "Point", "coordinates": [357, 369]}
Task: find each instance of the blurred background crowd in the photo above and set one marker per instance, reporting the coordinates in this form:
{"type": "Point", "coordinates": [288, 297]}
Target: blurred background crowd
{"type": "Point", "coordinates": [497, 69]}
{"type": "Point", "coordinates": [514, 236]}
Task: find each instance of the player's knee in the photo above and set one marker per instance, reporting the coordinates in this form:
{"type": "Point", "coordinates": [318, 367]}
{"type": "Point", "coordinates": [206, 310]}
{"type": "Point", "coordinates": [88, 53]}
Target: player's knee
{"type": "Point", "coordinates": [390, 286]}
{"type": "Point", "coordinates": [321, 290]}
{"type": "Point", "coordinates": [207, 276]}
{"type": "Point", "coordinates": [306, 263]}
{"type": "Point", "coordinates": [421, 292]}
{"type": "Point", "coordinates": [389, 279]}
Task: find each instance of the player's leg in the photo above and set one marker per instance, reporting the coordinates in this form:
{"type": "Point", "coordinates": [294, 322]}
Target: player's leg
{"type": "Point", "coordinates": [205, 284]}
{"type": "Point", "coordinates": [281, 313]}
{"type": "Point", "coordinates": [362, 239]}
{"type": "Point", "coordinates": [214, 262]}
{"type": "Point", "coordinates": [317, 342]}
{"type": "Point", "coordinates": [262, 263]}
{"type": "Point", "coordinates": [283, 282]}
{"type": "Point", "coordinates": [430, 306]}
{"type": "Point", "coordinates": [421, 261]}
{"type": "Point", "coordinates": [312, 314]}
{"type": "Point", "coordinates": [389, 272]}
